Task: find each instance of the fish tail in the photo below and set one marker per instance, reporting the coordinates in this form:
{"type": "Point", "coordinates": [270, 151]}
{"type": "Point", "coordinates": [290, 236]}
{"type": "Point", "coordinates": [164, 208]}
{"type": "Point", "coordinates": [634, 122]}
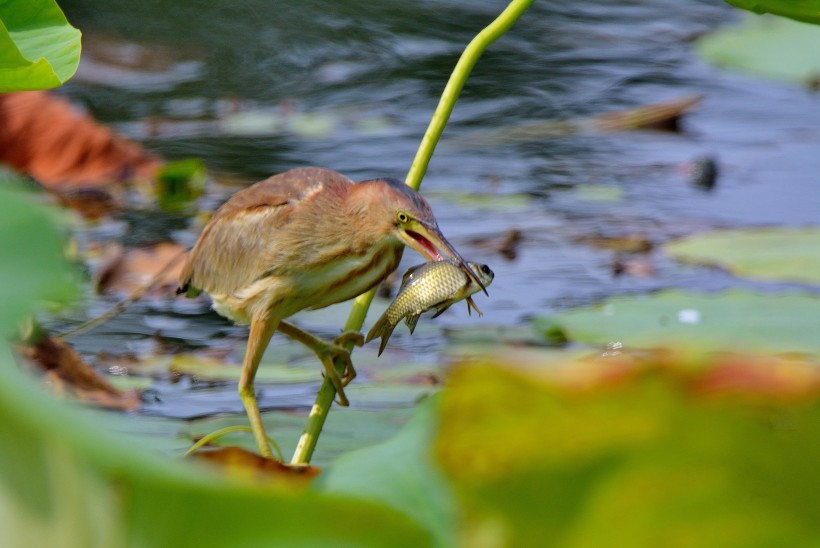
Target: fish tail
{"type": "Point", "coordinates": [383, 328]}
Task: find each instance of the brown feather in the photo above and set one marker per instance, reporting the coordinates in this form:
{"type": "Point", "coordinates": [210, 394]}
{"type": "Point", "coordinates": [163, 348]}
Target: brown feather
{"type": "Point", "coordinates": [244, 238]}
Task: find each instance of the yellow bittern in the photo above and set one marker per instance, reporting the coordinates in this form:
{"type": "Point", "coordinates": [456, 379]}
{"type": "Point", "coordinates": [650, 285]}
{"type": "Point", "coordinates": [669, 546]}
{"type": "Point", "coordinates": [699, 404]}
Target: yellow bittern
{"type": "Point", "coordinates": [306, 239]}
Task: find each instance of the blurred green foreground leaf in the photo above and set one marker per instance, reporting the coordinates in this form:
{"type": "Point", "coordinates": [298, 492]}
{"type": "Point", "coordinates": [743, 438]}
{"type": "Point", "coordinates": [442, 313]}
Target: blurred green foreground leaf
{"type": "Point", "coordinates": [65, 481]}
{"type": "Point", "coordinates": [654, 455]}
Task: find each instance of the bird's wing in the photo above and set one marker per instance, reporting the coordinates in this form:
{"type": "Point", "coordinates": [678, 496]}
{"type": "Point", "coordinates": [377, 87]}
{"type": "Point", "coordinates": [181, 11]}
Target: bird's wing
{"type": "Point", "coordinates": [229, 254]}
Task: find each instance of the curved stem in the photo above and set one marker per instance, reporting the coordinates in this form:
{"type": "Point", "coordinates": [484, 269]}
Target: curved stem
{"type": "Point", "coordinates": [208, 438]}
{"type": "Point", "coordinates": [491, 33]}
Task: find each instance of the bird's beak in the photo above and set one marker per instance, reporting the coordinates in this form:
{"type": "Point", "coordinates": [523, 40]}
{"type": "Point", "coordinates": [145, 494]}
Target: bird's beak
{"type": "Point", "coordinates": [428, 240]}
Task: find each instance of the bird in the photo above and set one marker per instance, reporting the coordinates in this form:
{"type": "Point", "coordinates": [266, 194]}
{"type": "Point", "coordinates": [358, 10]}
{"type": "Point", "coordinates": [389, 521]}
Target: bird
{"type": "Point", "coordinates": [305, 239]}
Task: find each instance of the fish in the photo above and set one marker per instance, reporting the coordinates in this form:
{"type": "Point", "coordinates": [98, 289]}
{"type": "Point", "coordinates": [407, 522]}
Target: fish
{"type": "Point", "coordinates": [439, 285]}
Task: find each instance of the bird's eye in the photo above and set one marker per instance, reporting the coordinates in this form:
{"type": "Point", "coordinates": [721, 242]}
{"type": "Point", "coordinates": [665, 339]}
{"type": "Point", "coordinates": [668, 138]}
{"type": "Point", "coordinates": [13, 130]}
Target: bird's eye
{"type": "Point", "coordinates": [402, 217]}
{"type": "Point", "coordinates": [486, 269]}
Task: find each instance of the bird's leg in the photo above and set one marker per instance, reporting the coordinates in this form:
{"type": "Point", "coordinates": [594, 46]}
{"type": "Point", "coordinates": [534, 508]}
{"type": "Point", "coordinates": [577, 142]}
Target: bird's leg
{"type": "Point", "coordinates": [262, 329]}
{"type": "Point", "coordinates": [327, 353]}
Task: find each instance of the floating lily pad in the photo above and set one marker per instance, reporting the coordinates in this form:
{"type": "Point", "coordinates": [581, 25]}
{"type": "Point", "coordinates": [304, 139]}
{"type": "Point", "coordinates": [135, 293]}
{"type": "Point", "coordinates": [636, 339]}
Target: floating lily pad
{"type": "Point", "coordinates": [605, 194]}
{"type": "Point", "coordinates": [766, 46]}
{"type": "Point", "coordinates": [482, 201]}
{"type": "Point", "coordinates": [212, 369]}
{"type": "Point", "coordinates": [778, 253]}
{"type": "Point", "coordinates": [734, 320]}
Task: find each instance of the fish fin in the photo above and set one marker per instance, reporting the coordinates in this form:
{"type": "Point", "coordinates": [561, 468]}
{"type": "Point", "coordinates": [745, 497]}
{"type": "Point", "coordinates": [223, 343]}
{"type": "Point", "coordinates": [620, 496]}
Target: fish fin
{"type": "Point", "coordinates": [382, 328]}
{"type": "Point", "coordinates": [471, 303]}
{"type": "Point", "coordinates": [409, 273]}
{"type": "Point", "coordinates": [440, 311]}
{"type": "Point", "coordinates": [411, 322]}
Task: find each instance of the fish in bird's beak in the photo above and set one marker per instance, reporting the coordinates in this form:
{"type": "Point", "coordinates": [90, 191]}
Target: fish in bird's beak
{"type": "Point", "coordinates": [428, 240]}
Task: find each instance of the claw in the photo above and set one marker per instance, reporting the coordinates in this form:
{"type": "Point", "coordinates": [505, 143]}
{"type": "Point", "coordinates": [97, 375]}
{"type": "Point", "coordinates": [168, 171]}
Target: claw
{"type": "Point", "coordinates": [333, 352]}
{"type": "Point", "coordinates": [330, 370]}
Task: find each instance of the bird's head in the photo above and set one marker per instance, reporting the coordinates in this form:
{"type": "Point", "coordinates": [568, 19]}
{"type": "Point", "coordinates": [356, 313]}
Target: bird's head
{"type": "Point", "coordinates": [404, 214]}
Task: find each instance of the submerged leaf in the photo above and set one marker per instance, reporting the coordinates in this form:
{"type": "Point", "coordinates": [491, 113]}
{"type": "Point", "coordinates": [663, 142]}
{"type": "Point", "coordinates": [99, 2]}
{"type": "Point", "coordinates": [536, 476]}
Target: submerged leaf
{"type": "Point", "coordinates": [68, 372]}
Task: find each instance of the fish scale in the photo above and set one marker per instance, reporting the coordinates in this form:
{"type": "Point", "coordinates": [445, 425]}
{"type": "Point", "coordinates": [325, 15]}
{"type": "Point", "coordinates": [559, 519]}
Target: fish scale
{"type": "Point", "coordinates": [422, 292]}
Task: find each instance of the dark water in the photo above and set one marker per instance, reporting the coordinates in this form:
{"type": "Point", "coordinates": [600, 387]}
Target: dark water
{"type": "Point", "coordinates": [257, 87]}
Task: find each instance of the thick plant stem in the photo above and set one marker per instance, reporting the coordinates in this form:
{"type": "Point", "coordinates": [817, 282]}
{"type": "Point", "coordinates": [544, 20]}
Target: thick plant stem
{"type": "Point", "coordinates": [491, 33]}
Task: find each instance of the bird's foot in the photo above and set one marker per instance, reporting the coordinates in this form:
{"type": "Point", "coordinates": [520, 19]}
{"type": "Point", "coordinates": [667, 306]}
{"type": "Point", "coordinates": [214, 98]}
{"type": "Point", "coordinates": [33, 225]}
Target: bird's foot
{"type": "Point", "coordinates": [341, 341]}
{"type": "Point", "coordinates": [328, 353]}
{"type": "Point", "coordinates": [328, 356]}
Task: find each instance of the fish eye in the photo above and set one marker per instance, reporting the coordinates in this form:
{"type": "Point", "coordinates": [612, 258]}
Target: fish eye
{"type": "Point", "coordinates": [486, 269]}
{"type": "Point", "coordinates": [402, 217]}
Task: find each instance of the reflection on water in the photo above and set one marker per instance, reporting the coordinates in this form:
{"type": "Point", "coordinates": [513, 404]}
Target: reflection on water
{"type": "Point", "coordinates": [258, 87]}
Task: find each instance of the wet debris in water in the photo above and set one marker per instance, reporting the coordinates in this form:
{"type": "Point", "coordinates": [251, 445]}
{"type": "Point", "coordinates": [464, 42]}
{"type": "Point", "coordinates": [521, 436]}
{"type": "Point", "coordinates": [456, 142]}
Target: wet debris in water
{"type": "Point", "coordinates": [506, 244]}
{"type": "Point", "coordinates": [68, 374]}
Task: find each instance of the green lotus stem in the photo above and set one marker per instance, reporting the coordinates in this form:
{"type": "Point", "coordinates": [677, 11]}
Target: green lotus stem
{"type": "Point", "coordinates": [229, 430]}
{"type": "Point", "coordinates": [491, 33]}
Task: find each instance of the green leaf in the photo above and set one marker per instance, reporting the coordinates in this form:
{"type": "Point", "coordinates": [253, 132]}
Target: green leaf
{"type": "Point", "coordinates": [65, 481]}
{"type": "Point", "coordinates": [766, 46]}
{"type": "Point", "coordinates": [773, 254]}
{"type": "Point", "coordinates": [401, 474]}
{"type": "Point", "coordinates": [637, 461]}
{"type": "Point", "coordinates": [734, 320]}
{"type": "Point", "coordinates": [32, 263]}
{"type": "Point", "coordinates": [39, 49]}
{"type": "Point", "coordinates": [804, 10]}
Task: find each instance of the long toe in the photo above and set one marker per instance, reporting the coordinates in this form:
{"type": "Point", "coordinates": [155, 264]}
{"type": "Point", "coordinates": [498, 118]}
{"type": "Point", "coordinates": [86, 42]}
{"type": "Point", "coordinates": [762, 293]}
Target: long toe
{"type": "Point", "coordinates": [338, 385]}
{"type": "Point", "coordinates": [342, 353]}
{"type": "Point", "coordinates": [355, 337]}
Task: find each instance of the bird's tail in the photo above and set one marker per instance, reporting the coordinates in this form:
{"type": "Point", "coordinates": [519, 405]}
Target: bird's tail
{"type": "Point", "coordinates": [383, 328]}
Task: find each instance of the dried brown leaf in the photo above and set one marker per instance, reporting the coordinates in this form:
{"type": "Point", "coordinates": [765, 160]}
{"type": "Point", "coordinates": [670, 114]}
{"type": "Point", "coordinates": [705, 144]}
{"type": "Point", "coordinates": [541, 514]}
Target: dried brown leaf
{"type": "Point", "coordinates": [244, 465]}
{"type": "Point", "coordinates": [43, 135]}
{"type": "Point", "coordinates": [70, 374]}
{"type": "Point", "coordinates": [662, 115]}
{"type": "Point", "coordinates": [134, 270]}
